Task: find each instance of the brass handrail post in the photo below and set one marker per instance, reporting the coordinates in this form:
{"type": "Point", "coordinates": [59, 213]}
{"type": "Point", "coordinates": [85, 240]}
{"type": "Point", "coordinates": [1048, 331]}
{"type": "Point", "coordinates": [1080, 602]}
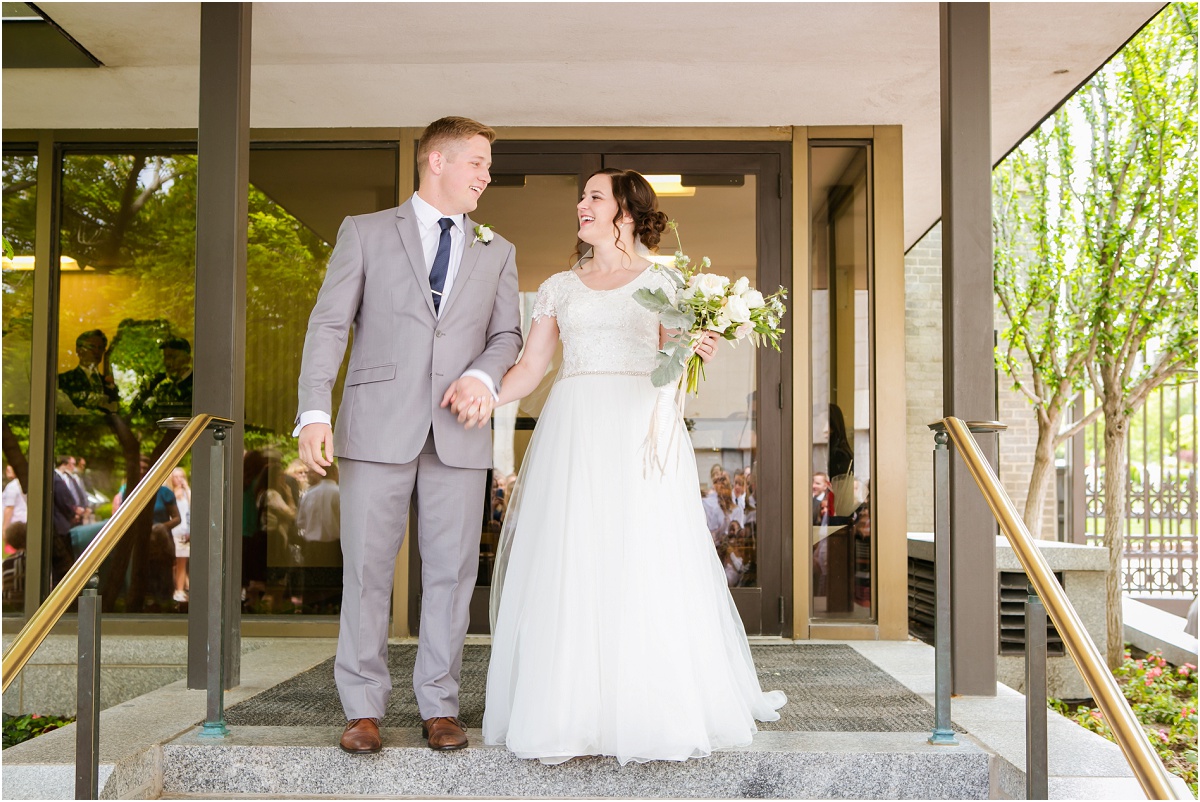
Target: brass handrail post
{"type": "Point", "coordinates": [1037, 769]}
{"type": "Point", "coordinates": [1147, 767]}
{"type": "Point", "coordinates": [87, 708]}
{"type": "Point", "coordinates": [943, 729]}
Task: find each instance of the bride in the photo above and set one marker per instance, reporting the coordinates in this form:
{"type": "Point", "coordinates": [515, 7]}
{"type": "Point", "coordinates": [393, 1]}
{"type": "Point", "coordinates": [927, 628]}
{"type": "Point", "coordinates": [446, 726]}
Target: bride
{"type": "Point", "coordinates": [613, 630]}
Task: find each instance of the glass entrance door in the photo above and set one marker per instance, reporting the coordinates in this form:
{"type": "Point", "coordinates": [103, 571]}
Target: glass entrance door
{"type": "Point", "coordinates": [724, 206]}
{"type": "Point", "coordinates": [728, 208]}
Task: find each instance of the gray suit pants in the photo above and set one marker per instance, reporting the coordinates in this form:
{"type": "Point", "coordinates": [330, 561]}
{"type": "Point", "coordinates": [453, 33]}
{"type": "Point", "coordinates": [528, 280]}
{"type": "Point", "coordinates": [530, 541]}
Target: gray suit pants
{"type": "Point", "coordinates": [375, 499]}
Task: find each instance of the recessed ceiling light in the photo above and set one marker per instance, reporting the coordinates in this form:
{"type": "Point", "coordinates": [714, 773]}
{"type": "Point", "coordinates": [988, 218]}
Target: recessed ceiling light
{"type": "Point", "coordinates": [670, 186]}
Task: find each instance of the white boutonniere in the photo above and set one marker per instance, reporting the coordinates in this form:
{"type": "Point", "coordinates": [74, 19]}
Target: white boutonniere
{"type": "Point", "coordinates": [483, 233]}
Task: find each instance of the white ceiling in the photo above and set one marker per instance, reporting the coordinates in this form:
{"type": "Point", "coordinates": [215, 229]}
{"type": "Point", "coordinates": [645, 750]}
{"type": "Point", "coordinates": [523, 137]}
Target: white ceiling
{"type": "Point", "coordinates": [579, 64]}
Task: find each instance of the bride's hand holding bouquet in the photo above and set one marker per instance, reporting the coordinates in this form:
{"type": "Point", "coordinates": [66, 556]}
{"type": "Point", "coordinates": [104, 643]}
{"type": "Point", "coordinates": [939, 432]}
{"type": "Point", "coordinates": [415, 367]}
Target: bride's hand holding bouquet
{"type": "Point", "coordinates": [706, 302]}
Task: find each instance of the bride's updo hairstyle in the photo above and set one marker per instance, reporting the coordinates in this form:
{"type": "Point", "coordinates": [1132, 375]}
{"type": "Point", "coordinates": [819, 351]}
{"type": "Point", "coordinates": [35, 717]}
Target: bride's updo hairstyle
{"type": "Point", "coordinates": [635, 197]}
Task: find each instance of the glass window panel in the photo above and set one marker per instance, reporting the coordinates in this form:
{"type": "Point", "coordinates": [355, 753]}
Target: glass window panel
{"type": "Point", "coordinates": [125, 341]}
{"type": "Point", "coordinates": [538, 216]}
{"type": "Point", "coordinates": [291, 557]}
{"type": "Point", "coordinates": [717, 219]}
{"type": "Point", "coordinates": [843, 552]}
{"type": "Point", "coordinates": [20, 208]}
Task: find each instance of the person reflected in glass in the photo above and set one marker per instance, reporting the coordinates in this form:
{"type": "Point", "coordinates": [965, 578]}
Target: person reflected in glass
{"type": "Point", "coordinates": [741, 494]}
{"type": "Point", "coordinates": [169, 393]}
{"type": "Point", "coordinates": [841, 456]}
{"type": "Point", "coordinates": [14, 563]}
{"type": "Point", "coordinates": [318, 523]}
{"type": "Point", "coordinates": [614, 632]}
{"type": "Point", "coordinates": [90, 384]}
{"type": "Point", "coordinates": [719, 508]}
{"type": "Point", "coordinates": [16, 506]}
{"type": "Point", "coordinates": [66, 514]}
{"type": "Point", "coordinates": [182, 533]}
{"type": "Point", "coordinates": [822, 499]}
{"type": "Point", "coordinates": [153, 557]}
{"type": "Point", "coordinates": [301, 475]}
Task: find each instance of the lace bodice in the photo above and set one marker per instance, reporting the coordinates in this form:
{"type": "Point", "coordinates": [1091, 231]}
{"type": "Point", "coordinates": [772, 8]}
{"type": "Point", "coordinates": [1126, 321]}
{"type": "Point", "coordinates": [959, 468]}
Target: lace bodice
{"type": "Point", "coordinates": [603, 331]}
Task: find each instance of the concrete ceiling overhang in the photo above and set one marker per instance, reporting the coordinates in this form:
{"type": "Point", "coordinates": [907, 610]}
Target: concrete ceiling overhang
{"type": "Point", "coordinates": [579, 64]}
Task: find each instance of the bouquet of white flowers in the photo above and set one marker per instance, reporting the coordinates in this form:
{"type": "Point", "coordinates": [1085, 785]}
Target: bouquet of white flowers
{"type": "Point", "coordinates": [707, 302]}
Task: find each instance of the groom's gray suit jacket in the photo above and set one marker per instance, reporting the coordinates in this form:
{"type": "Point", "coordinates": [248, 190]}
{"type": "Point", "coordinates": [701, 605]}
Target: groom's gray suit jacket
{"type": "Point", "coordinates": [404, 357]}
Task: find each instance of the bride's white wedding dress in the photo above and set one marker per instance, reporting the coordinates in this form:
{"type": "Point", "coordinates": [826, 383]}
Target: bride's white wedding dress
{"type": "Point", "coordinates": [614, 632]}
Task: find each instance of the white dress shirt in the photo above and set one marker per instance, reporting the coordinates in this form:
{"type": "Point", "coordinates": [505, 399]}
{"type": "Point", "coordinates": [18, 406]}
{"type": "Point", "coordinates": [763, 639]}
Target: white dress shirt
{"type": "Point", "coordinates": [431, 234]}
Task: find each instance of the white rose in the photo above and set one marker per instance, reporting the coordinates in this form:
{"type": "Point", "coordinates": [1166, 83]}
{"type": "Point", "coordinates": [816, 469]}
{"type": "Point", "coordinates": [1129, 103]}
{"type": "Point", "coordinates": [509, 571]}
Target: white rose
{"type": "Point", "coordinates": [484, 233]}
{"type": "Point", "coordinates": [741, 285]}
{"type": "Point", "coordinates": [737, 309]}
{"type": "Point", "coordinates": [711, 285]}
{"type": "Point", "coordinates": [754, 299]}
{"type": "Point", "coordinates": [721, 324]}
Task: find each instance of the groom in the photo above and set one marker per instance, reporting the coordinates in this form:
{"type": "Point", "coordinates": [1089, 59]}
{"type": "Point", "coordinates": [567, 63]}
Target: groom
{"type": "Point", "coordinates": [432, 301]}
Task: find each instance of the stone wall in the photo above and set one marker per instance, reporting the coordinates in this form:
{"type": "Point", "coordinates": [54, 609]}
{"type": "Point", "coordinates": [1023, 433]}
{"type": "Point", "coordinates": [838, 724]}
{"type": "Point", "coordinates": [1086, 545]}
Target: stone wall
{"type": "Point", "coordinates": [130, 665]}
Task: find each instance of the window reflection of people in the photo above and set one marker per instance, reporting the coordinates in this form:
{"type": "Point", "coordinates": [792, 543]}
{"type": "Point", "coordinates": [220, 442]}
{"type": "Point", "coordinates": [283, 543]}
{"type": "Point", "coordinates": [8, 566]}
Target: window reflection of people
{"type": "Point", "coordinates": [318, 518]}
{"type": "Point", "coordinates": [318, 523]}
{"type": "Point", "coordinates": [170, 392]}
{"type": "Point", "coordinates": [15, 505]}
{"type": "Point", "coordinates": [841, 457]}
{"type": "Point", "coordinates": [719, 508]}
{"type": "Point", "coordinates": [66, 513]}
{"type": "Point", "coordinates": [182, 533]}
{"type": "Point", "coordinates": [822, 499]}
{"type": "Point", "coordinates": [14, 563]}
{"type": "Point", "coordinates": [90, 384]}
{"type": "Point", "coordinates": [155, 556]}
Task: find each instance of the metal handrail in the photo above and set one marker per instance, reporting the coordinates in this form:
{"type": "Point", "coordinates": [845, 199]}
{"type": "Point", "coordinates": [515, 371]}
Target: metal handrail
{"type": "Point", "coordinates": [1146, 765]}
{"type": "Point", "coordinates": [88, 564]}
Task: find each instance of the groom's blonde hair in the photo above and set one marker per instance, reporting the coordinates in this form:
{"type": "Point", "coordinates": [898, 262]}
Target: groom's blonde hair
{"type": "Point", "coordinates": [439, 133]}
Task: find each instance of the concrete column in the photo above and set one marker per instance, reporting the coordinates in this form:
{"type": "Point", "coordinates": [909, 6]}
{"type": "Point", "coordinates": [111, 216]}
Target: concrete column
{"type": "Point", "coordinates": [968, 336]}
{"type": "Point", "coordinates": [222, 184]}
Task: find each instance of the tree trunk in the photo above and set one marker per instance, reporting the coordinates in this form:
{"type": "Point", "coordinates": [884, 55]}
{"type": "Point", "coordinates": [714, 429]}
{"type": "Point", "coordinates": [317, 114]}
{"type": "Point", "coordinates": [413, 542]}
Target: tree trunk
{"type": "Point", "coordinates": [1115, 426]}
{"type": "Point", "coordinates": [16, 457]}
{"type": "Point", "coordinates": [1039, 480]}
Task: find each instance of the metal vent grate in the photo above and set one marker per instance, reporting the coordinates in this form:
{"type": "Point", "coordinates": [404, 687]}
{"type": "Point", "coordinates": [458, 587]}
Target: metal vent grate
{"type": "Point", "coordinates": [922, 599]}
{"type": "Point", "coordinates": [1014, 589]}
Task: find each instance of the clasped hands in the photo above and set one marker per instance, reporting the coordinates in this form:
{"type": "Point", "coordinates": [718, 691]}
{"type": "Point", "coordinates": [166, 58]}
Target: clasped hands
{"type": "Point", "coordinates": [470, 400]}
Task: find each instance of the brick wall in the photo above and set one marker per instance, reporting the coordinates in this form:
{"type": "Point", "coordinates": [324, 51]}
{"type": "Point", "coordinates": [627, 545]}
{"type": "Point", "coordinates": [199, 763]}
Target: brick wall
{"type": "Point", "coordinates": [923, 379]}
{"type": "Point", "coordinates": [922, 370]}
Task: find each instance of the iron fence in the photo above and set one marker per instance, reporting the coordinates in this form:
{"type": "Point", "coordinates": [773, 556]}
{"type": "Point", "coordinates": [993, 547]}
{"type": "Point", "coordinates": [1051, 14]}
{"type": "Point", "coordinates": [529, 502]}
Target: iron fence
{"type": "Point", "coordinates": [1160, 491]}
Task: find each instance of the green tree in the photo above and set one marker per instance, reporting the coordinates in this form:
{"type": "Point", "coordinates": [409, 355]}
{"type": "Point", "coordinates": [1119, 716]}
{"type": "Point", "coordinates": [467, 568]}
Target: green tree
{"type": "Point", "coordinates": [1095, 226]}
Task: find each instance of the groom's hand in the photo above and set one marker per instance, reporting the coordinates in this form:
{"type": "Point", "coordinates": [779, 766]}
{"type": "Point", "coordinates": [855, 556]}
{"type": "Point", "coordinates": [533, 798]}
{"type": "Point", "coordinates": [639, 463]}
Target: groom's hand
{"type": "Point", "coordinates": [313, 437]}
{"type": "Point", "coordinates": [470, 400]}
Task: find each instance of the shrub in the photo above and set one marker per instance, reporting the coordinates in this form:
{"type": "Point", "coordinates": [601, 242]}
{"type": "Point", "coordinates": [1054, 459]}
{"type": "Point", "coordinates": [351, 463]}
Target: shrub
{"type": "Point", "coordinates": [31, 725]}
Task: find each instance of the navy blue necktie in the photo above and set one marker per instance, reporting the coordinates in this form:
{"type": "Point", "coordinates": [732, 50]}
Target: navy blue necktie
{"type": "Point", "coordinates": [441, 263]}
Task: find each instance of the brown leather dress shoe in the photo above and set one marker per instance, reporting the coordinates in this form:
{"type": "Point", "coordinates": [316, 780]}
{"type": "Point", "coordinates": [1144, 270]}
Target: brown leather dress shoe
{"type": "Point", "coordinates": [361, 736]}
{"type": "Point", "coordinates": [445, 733]}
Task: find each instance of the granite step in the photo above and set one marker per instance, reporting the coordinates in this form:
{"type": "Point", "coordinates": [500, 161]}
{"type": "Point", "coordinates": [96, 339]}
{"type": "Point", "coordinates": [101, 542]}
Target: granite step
{"type": "Point", "coordinates": [291, 762]}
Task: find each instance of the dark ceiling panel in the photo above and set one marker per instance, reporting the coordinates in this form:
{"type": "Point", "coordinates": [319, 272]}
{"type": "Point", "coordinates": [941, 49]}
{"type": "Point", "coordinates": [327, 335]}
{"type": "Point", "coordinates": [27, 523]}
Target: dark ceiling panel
{"type": "Point", "coordinates": [33, 41]}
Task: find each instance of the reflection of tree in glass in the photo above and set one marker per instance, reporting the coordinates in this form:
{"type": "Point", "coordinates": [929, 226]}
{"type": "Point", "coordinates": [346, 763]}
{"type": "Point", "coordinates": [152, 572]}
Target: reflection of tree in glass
{"type": "Point", "coordinates": [19, 213]}
{"type": "Point", "coordinates": [133, 215]}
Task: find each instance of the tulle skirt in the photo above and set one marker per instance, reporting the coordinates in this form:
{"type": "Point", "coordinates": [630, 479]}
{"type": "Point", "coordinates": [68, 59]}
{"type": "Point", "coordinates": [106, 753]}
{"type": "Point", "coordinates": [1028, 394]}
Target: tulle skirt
{"type": "Point", "coordinates": [614, 632]}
